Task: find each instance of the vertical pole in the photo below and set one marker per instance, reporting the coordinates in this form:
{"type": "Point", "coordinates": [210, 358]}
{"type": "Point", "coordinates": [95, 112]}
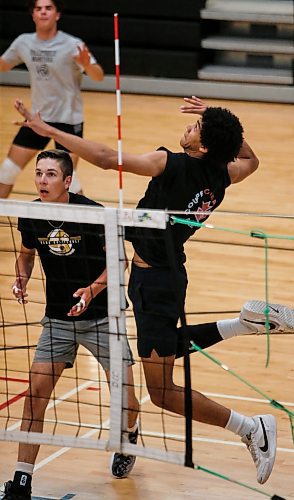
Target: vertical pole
{"type": "Point", "coordinates": [117, 327]}
{"type": "Point", "coordinates": [118, 109]}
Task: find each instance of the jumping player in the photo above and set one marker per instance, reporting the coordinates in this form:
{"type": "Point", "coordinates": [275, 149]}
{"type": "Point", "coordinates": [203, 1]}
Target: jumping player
{"type": "Point", "coordinates": [214, 156]}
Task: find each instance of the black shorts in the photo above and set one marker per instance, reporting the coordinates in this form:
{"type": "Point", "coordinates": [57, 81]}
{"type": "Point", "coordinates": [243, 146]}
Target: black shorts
{"type": "Point", "coordinates": [27, 138]}
{"type": "Point", "coordinates": [157, 297]}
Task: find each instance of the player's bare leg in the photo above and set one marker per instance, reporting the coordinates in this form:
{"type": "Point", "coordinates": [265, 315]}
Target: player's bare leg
{"type": "Point", "coordinates": [259, 432]}
{"type": "Point", "coordinates": [121, 465]}
{"type": "Point", "coordinates": [165, 394]}
{"type": "Point", "coordinates": [18, 157]}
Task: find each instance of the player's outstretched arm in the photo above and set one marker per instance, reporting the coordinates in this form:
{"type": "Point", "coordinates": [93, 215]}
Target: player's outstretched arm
{"type": "Point", "coordinates": [148, 164]}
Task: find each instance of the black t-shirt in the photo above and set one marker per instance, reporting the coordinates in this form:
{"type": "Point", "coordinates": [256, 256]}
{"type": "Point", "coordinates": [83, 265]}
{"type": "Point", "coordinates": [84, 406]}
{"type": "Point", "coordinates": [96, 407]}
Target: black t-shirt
{"type": "Point", "coordinates": [187, 184]}
{"type": "Point", "coordinates": [72, 257]}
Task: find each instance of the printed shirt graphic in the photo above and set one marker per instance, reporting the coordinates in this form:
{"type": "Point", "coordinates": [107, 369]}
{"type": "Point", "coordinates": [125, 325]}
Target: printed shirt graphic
{"type": "Point", "coordinates": [187, 185]}
{"type": "Point", "coordinates": [54, 75]}
{"type": "Point", "coordinates": [59, 242]}
{"type": "Point", "coordinates": [72, 256]}
{"type": "Point", "coordinates": [202, 204]}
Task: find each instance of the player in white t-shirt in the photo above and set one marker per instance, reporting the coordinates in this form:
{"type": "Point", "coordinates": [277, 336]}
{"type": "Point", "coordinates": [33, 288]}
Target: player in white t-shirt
{"type": "Point", "coordinates": [56, 62]}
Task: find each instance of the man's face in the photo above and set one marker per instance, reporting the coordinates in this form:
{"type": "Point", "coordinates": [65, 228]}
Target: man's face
{"type": "Point", "coordinates": [45, 15]}
{"type": "Point", "coordinates": [49, 181]}
{"type": "Point", "coordinates": [190, 141]}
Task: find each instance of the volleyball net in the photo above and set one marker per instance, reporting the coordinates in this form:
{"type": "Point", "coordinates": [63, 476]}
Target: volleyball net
{"type": "Point", "coordinates": [82, 411]}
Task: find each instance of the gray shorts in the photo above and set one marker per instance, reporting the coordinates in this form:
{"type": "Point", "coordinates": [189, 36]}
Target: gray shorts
{"type": "Point", "coordinates": [59, 341]}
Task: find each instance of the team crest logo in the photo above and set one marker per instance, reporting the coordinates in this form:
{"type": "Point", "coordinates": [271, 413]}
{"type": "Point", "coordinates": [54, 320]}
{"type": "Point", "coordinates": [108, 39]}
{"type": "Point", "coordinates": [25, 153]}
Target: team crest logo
{"type": "Point", "coordinates": [42, 70]}
{"type": "Point", "coordinates": [59, 242]}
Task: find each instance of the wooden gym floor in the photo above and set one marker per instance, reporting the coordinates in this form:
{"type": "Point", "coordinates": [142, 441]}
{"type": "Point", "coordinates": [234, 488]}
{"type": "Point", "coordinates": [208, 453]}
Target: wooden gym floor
{"type": "Point", "coordinates": [224, 271]}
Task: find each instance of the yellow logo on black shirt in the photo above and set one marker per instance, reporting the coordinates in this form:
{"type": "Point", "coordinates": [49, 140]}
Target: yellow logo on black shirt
{"type": "Point", "coordinates": [59, 242]}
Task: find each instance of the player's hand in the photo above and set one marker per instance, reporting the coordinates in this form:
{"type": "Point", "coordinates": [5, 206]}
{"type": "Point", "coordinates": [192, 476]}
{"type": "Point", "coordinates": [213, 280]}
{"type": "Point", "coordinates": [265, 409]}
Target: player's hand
{"type": "Point", "coordinates": [36, 123]}
{"type": "Point", "coordinates": [21, 108]}
{"type": "Point", "coordinates": [85, 296]}
{"type": "Point", "coordinates": [83, 57]}
{"type": "Point", "coordinates": [194, 105]}
{"type": "Point", "coordinates": [19, 291]}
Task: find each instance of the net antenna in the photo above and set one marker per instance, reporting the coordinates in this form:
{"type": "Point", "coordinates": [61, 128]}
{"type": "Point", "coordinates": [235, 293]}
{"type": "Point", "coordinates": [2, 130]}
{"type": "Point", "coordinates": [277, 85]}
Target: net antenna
{"type": "Point", "coordinates": [118, 108]}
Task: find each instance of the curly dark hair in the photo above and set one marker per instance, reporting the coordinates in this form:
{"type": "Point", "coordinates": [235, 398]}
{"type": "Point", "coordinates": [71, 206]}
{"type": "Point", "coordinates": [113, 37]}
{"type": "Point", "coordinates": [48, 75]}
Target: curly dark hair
{"type": "Point", "coordinates": [58, 4]}
{"type": "Point", "coordinates": [221, 133]}
{"type": "Point", "coordinates": [62, 157]}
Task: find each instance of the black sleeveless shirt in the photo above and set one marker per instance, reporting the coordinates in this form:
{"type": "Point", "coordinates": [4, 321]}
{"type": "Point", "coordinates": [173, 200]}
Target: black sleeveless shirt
{"type": "Point", "coordinates": [187, 184]}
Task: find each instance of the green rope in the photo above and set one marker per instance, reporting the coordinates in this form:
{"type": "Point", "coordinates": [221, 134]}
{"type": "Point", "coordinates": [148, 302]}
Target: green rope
{"type": "Point", "coordinates": [254, 234]}
{"type": "Point", "coordinates": [272, 402]}
{"type": "Point", "coordinates": [262, 235]}
{"type": "Point", "coordinates": [266, 312]}
{"type": "Point", "coordinates": [226, 478]}
{"type": "Point", "coordinates": [187, 222]}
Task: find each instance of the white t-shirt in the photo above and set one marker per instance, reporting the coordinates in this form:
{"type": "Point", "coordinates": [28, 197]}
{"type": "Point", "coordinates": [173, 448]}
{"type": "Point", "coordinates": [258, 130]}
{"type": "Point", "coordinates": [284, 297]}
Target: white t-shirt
{"type": "Point", "coordinates": [55, 76]}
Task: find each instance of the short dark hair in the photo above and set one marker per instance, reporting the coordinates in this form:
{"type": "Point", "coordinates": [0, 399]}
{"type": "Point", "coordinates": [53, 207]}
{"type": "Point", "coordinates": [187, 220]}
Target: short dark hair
{"type": "Point", "coordinates": [58, 4]}
{"type": "Point", "coordinates": [63, 158]}
{"type": "Point", "coordinates": [221, 133]}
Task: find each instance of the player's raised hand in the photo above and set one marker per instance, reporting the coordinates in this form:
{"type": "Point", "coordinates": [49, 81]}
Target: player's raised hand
{"type": "Point", "coordinates": [36, 123]}
{"type": "Point", "coordinates": [22, 109]}
{"type": "Point", "coordinates": [83, 57]}
{"type": "Point", "coordinates": [194, 105]}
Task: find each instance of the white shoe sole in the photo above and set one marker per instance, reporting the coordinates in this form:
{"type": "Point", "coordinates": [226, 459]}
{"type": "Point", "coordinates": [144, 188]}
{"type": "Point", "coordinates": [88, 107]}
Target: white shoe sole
{"type": "Point", "coordinates": [271, 431]}
{"type": "Point", "coordinates": [281, 316]}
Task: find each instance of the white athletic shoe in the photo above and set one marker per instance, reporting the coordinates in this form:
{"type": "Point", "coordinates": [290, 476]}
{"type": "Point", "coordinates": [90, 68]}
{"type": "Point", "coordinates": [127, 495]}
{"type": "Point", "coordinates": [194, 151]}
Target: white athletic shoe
{"type": "Point", "coordinates": [262, 444]}
{"type": "Point", "coordinates": [280, 317]}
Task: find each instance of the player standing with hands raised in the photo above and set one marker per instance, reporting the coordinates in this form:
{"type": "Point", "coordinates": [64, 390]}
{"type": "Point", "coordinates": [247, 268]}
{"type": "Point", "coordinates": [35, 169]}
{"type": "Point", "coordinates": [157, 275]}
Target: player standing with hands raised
{"type": "Point", "coordinates": [56, 62]}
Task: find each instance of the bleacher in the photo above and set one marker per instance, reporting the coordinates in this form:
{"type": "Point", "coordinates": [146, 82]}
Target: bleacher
{"type": "Point", "coordinates": [237, 49]}
{"type": "Point", "coordinates": [248, 41]}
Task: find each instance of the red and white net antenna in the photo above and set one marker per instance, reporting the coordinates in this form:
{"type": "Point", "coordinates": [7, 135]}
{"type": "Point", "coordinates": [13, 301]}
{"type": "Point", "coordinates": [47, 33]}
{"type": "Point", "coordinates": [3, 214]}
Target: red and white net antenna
{"type": "Point", "coordinates": [118, 109]}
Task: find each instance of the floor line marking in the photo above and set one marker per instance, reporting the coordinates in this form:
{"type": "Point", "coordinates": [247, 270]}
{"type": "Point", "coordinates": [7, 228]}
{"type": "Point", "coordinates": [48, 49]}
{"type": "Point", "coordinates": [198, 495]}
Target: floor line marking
{"type": "Point", "coordinates": [56, 402]}
{"type": "Point", "coordinates": [15, 398]}
{"type": "Point", "coordinates": [12, 379]}
{"type": "Point", "coordinates": [88, 434]}
{"type": "Point", "coordinates": [243, 398]}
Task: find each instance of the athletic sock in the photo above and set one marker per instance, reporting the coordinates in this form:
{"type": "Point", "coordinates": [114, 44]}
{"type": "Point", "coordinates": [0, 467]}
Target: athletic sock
{"type": "Point", "coordinates": [207, 334]}
{"type": "Point", "coordinates": [240, 424]}
{"type": "Point", "coordinates": [229, 328]}
{"type": "Point", "coordinates": [203, 335]}
{"type": "Point", "coordinates": [25, 467]}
